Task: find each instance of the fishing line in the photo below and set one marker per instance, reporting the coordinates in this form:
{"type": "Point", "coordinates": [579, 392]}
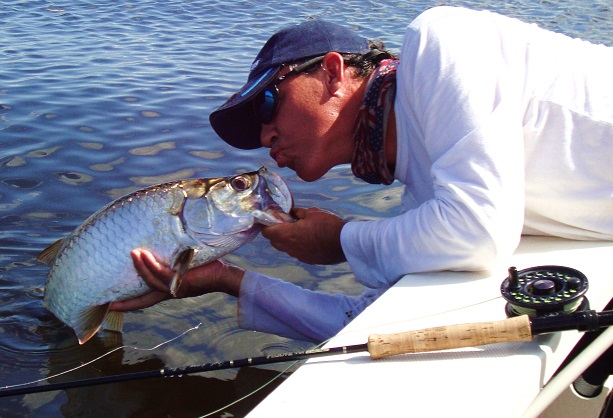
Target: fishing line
{"type": "Point", "coordinates": [516, 329]}
{"type": "Point", "coordinates": [256, 390]}
{"type": "Point", "coordinates": [264, 385]}
{"type": "Point", "coordinates": [197, 326]}
{"type": "Point", "coordinates": [414, 318]}
{"type": "Point", "coordinates": [359, 330]}
{"type": "Point", "coordinates": [102, 356]}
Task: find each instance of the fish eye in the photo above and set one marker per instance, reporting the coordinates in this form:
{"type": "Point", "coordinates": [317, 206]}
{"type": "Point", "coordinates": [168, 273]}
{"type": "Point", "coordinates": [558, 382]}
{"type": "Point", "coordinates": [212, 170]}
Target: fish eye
{"type": "Point", "coordinates": [240, 183]}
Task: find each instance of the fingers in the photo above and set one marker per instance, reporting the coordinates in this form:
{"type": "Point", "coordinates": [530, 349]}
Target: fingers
{"type": "Point", "coordinates": [141, 302]}
{"type": "Point", "coordinates": [272, 232]}
{"type": "Point", "coordinates": [156, 275]}
{"type": "Point", "coordinates": [299, 213]}
{"type": "Point", "coordinates": [314, 238]}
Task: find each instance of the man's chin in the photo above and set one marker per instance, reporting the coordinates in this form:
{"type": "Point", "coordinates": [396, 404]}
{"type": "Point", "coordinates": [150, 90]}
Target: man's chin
{"type": "Point", "coordinates": [308, 176]}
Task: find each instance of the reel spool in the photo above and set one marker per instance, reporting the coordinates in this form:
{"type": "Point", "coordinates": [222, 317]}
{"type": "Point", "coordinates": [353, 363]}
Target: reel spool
{"type": "Point", "coordinates": [544, 290]}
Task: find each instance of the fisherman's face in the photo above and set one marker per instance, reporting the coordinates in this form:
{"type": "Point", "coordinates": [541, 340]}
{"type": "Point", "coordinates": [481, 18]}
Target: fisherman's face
{"type": "Point", "coordinates": [306, 133]}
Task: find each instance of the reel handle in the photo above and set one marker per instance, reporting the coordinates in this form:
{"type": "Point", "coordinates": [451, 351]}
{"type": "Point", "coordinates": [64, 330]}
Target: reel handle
{"type": "Point", "coordinates": [515, 329]}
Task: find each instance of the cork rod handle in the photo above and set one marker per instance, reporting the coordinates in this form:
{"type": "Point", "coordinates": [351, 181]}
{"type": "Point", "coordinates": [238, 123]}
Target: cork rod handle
{"type": "Point", "coordinates": [516, 329]}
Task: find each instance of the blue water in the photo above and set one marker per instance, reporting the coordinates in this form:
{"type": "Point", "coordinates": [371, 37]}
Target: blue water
{"type": "Point", "coordinates": [100, 98]}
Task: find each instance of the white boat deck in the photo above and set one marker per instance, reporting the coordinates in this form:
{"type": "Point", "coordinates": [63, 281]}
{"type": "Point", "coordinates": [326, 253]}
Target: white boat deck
{"type": "Point", "coordinates": [498, 380]}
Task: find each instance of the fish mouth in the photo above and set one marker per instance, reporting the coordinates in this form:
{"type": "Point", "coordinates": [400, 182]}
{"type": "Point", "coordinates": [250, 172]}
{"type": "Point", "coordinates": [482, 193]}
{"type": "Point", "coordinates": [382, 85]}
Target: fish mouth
{"type": "Point", "coordinates": [277, 209]}
{"type": "Point", "coordinates": [275, 187]}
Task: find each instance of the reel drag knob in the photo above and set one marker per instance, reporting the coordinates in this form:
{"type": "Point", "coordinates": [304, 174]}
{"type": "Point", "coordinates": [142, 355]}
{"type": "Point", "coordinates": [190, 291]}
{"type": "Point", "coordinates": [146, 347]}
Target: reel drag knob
{"type": "Point", "coordinates": [544, 287]}
{"type": "Point", "coordinates": [544, 290]}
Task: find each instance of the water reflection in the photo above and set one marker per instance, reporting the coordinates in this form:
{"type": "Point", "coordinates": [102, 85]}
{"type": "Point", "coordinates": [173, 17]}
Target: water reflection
{"type": "Point", "coordinates": [74, 179]}
{"type": "Point", "coordinates": [153, 149]}
{"type": "Point", "coordinates": [108, 166]}
{"type": "Point", "coordinates": [184, 396]}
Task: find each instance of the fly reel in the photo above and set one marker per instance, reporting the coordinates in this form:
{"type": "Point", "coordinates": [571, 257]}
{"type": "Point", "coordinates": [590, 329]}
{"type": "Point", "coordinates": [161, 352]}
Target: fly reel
{"type": "Point", "coordinates": [544, 290]}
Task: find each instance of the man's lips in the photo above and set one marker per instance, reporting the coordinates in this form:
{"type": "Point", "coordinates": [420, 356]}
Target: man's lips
{"type": "Point", "coordinates": [274, 154]}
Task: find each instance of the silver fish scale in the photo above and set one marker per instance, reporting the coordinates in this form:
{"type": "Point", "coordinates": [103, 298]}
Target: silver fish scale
{"type": "Point", "coordinates": [98, 253]}
{"type": "Point", "coordinates": [212, 216]}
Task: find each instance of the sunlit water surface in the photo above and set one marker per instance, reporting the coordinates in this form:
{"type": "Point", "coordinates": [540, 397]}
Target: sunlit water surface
{"type": "Point", "coordinates": [98, 99]}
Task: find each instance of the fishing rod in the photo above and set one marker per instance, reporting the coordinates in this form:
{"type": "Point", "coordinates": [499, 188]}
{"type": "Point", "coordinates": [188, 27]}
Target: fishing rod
{"type": "Point", "coordinates": [520, 328]}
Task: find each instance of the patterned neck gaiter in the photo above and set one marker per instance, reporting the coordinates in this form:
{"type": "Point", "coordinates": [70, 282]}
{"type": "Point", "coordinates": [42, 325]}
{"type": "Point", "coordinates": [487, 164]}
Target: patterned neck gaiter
{"type": "Point", "coordinates": [369, 163]}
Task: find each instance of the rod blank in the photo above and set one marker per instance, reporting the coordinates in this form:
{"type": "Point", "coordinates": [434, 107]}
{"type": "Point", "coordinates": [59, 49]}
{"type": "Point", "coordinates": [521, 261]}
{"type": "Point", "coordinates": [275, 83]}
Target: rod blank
{"type": "Point", "coordinates": [517, 329]}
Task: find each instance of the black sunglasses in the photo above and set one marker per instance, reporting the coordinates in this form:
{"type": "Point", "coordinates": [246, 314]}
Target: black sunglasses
{"type": "Point", "coordinates": [268, 100]}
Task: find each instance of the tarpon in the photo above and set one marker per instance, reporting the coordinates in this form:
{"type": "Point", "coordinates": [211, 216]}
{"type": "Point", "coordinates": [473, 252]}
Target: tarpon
{"type": "Point", "coordinates": [184, 223]}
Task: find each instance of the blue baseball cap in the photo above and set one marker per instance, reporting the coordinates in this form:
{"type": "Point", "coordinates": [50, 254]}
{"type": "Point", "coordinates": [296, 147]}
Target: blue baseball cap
{"type": "Point", "coordinates": [236, 121]}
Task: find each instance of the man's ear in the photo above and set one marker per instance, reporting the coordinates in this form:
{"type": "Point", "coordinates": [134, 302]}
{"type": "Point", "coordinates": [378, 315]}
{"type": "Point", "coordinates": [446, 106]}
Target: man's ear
{"type": "Point", "coordinates": [334, 71]}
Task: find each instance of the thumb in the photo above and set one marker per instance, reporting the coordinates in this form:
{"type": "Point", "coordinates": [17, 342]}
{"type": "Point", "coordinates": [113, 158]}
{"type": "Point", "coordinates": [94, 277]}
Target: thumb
{"type": "Point", "coordinates": [299, 213]}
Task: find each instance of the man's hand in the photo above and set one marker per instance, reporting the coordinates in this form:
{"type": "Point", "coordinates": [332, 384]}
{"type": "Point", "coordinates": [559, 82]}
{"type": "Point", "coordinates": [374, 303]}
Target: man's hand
{"type": "Point", "coordinates": [315, 238]}
{"type": "Point", "coordinates": [216, 276]}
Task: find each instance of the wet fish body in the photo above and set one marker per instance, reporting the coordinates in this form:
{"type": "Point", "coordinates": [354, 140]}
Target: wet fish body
{"type": "Point", "coordinates": [184, 223]}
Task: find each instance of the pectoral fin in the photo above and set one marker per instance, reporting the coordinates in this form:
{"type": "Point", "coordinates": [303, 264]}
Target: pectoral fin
{"type": "Point", "coordinates": [180, 267]}
{"type": "Point", "coordinates": [229, 241]}
{"type": "Point", "coordinates": [89, 322]}
{"type": "Point", "coordinates": [47, 256]}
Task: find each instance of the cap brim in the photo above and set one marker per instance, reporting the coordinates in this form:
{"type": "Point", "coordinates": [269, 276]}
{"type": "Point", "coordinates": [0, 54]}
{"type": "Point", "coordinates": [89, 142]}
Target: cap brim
{"type": "Point", "coordinates": [236, 121]}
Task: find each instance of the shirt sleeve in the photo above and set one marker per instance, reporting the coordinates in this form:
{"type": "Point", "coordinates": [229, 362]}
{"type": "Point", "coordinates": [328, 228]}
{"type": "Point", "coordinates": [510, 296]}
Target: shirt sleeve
{"type": "Point", "coordinates": [282, 308]}
{"type": "Point", "coordinates": [459, 124]}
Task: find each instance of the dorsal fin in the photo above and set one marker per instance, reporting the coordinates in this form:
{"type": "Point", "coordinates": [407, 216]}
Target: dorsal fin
{"type": "Point", "coordinates": [47, 256]}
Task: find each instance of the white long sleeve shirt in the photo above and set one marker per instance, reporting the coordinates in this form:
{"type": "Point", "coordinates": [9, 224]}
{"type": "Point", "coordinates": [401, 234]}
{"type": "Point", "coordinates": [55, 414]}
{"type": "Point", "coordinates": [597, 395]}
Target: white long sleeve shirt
{"type": "Point", "coordinates": [503, 128]}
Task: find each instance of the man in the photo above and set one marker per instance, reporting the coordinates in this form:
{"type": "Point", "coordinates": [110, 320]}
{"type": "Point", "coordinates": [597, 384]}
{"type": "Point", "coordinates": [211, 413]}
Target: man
{"type": "Point", "coordinates": [496, 127]}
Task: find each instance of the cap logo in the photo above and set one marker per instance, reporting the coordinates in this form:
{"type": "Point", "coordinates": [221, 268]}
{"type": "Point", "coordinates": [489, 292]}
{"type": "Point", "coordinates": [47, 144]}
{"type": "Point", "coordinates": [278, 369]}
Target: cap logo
{"type": "Point", "coordinates": [255, 64]}
{"type": "Point", "coordinates": [256, 82]}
